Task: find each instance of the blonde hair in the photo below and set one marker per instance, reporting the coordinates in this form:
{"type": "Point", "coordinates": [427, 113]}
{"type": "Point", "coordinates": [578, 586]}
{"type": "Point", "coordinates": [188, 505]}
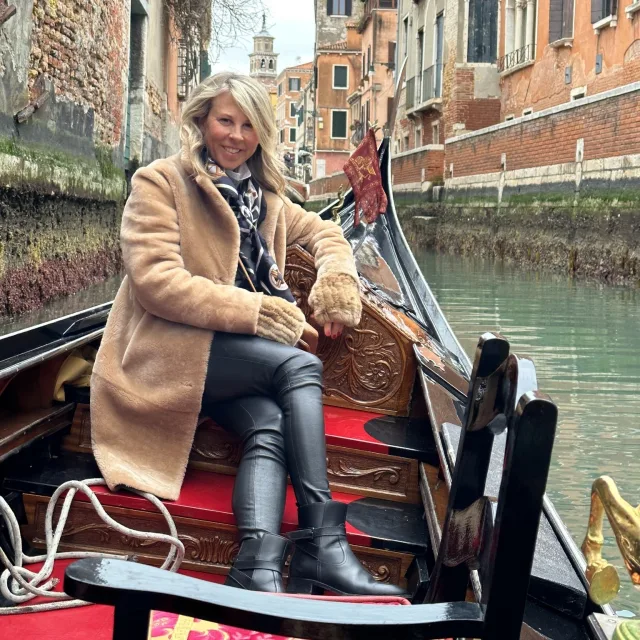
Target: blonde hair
{"type": "Point", "coordinates": [253, 99]}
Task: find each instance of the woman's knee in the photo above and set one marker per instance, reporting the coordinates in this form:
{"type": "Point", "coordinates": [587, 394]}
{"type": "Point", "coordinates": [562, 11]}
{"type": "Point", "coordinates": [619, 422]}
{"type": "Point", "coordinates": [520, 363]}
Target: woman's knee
{"type": "Point", "coordinates": [301, 366]}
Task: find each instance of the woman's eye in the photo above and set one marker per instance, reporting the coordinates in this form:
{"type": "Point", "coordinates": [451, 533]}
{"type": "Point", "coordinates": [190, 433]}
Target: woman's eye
{"type": "Point", "coordinates": [224, 120]}
{"type": "Point", "coordinates": [248, 125]}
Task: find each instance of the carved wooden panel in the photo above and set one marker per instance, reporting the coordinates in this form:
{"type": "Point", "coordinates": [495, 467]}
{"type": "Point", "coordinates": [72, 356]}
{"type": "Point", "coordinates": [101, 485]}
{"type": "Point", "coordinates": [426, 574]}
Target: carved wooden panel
{"type": "Point", "coordinates": [370, 367]}
{"type": "Point", "coordinates": [350, 470]}
{"type": "Point", "coordinates": [210, 547]}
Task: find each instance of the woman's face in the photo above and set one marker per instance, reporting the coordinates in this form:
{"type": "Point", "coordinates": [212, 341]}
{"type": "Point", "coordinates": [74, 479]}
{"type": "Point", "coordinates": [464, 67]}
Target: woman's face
{"type": "Point", "coordinates": [230, 138]}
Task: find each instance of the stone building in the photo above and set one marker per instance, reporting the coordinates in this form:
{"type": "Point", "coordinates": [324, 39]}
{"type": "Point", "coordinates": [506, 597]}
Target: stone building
{"type": "Point", "coordinates": [263, 61]}
{"type": "Point", "coordinates": [290, 84]}
{"type": "Point", "coordinates": [338, 62]}
{"type": "Point", "coordinates": [372, 102]}
{"type": "Point", "coordinates": [305, 133]}
{"type": "Point", "coordinates": [88, 92]}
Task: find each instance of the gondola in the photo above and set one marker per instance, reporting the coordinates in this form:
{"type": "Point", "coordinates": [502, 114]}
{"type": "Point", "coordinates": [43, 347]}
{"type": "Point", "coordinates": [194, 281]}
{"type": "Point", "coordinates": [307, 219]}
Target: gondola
{"type": "Point", "coordinates": [443, 462]}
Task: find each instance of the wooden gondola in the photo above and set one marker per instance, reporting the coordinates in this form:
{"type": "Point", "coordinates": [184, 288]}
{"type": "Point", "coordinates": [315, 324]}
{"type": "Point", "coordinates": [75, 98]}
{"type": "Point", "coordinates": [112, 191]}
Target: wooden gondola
{"type": "Point", "coordinates": [443, 463]}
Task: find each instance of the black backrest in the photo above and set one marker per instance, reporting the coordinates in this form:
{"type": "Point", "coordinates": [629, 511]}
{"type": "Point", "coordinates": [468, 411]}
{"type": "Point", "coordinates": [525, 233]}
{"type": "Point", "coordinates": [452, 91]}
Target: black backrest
{"type": "Point", "coordinates": [499, 540]}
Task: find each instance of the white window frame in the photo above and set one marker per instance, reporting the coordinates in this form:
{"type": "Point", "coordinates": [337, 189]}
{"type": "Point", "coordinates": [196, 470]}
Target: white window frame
{"type": "Point", "coordinates": [346, 132]}
{"type": "Point", "coordinates": [292, 130]}
{"type": "Point", "coordinates": [333, 77]}
{"type": "Point", "coordinates": [292, 107]}
{"type": "Point", "coordinates": [528, 111]}
{"type": "Point", "coordinates": [321, 168]}
{"type": "Point", "coordinates": [341, 15]}
{"type": "Point", "coordinates": [578, 93]}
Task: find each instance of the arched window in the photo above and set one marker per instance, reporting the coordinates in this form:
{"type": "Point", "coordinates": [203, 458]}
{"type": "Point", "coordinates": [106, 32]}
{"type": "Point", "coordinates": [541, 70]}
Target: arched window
{"type": "Point", "coordinates": [263, 64]}
{"type": "Point", "coordinates": [271, 65]}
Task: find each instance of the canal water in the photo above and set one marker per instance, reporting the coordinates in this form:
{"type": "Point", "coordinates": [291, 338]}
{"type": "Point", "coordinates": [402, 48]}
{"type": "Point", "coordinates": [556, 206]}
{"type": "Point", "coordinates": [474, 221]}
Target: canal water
{"type": "Point", "coordinates": [585, 342]}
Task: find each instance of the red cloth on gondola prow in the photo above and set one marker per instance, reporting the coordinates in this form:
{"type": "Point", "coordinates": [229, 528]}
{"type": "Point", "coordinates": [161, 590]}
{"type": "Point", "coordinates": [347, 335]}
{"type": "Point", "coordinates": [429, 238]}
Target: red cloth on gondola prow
{"type": "Point", "coordinates": [363, 171]}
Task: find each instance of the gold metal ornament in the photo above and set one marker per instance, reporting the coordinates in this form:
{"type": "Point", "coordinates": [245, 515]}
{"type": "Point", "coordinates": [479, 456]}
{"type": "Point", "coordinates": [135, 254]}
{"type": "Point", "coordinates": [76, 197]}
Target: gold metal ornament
{"type": "Point", "coordinates": [335, 211]}
{"type": "Point", "coordinates": [624, 519]}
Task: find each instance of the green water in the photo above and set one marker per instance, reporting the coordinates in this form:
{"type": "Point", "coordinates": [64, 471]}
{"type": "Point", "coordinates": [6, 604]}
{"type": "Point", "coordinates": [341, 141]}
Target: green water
{"type": "Point", "coordinates": [585, 342]}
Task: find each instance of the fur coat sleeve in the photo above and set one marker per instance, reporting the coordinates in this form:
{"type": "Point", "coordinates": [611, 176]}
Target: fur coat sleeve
{"type": "Point", "coordinates": [151, 248]}
{"type": "Point", "coordinates": [335, 297]}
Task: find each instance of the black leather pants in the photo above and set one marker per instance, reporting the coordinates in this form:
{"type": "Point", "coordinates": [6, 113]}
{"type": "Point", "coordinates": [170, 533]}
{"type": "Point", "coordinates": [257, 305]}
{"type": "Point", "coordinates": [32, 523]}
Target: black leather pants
{"type": "Point", "coordinates": [270, 395]}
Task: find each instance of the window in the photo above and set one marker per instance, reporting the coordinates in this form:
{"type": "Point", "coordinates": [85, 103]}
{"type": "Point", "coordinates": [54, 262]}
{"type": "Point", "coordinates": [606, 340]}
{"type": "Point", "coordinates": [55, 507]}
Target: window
{"type": "Point", "coordinates": [509, 117]}
{"type": "Point", "coordinates": [405, 143]}
{"type": "Point", "coordinates": [292, 110]}
{"type": "Point", "coordinates": [391, 61]}
{"type": "Point", "coordinates": [294, 84]}
{"type": "Point", "coordinates": [405, 35]}
{"type": "Point", "coordinates": [418, 138]}
{"type": "Point", "coordinates": [339, 7]}
{"type": "Point", "coordinates": [527, 112]}
{"type": "Point", "coordinates": [281, 136]}
{"type": "Point", "coordinates": [340, 76]}
{"type": "Point", "coordinates": [435, 133]}
{"type": "Point", "coordinates": [369, 60]}
{"type": "Point", "coordinates": [270, 65]}
{"type": "Point", "coordinates": [292, 135]}
{"type": "Point", "coordinates": [280, 89]}
{"type": "Point", "coordinates": [339, 123]}
{"type": "Point", "coordinates": [560, 20]}
{"type": "Point", "coordinates": [321, 168]}
{"type": "Point", "coordinates": [483, 31]}
{"type": "Point", "coordinates": [520, 34]}
{"type": "Point", "coordinates": [601, 9]}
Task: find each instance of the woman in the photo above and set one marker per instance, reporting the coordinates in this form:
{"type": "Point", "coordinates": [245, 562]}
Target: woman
{"type": "Point", "coordinates": [204, 321]}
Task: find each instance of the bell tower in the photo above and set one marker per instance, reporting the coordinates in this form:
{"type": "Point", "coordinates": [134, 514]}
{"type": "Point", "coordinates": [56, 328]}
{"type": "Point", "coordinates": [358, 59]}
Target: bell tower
{"type": "Point", "coordinates": [263, 62]}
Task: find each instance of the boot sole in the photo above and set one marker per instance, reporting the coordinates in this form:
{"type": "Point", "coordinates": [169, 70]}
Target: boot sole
{"type": "Point", "coordinates": [305, 586]}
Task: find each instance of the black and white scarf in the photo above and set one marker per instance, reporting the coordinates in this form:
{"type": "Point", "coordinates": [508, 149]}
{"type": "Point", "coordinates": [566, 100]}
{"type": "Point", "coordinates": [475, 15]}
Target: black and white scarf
{"type": "Point", "coordinates": [257, 270]}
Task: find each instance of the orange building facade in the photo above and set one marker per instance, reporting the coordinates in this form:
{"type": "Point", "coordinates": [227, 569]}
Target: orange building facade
{"type": "Point", "coordinates": [290, 83]}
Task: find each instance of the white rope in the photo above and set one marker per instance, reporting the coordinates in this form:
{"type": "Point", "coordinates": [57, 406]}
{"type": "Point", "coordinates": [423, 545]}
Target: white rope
{"type": "Point", "coordinates": [19, 585]}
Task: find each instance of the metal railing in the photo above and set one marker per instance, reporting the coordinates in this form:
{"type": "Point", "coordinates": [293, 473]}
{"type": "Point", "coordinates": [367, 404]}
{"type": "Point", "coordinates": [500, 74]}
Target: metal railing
{"type": "Point", "coordinates": [517, 57]}
{"type": "Point", "coordinates": [411, 93]}
{"type": "Point", "coordinates": [432, 82]}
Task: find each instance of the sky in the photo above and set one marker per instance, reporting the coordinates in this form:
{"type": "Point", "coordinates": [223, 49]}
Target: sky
{"type": "Point", "coordinates": [292, 24]}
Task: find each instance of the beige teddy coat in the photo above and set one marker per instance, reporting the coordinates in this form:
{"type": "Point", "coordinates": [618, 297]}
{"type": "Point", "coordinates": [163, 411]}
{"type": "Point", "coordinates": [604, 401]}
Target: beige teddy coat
{"type": "Point", "coordinates": [180, 243]}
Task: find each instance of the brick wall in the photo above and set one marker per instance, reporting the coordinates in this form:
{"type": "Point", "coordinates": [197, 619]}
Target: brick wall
{"type": "Point", "coordinates": [83, 47]}
{"type": "Point", "coordinates": [328, 185]}
{"type": "Point", "coordinates": [408, 169]}
{"type": "Point", "coordinates": [609, 127]}
{"type": "Point", "coordinates": [464, 108]}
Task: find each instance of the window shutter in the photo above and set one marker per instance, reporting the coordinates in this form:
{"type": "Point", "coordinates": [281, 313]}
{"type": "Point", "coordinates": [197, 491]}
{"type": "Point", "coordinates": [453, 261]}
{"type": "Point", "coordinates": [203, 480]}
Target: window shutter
{"type": "Point", "coordinates": [392, 54]}
{"type": "Point", "coordinates": [329, 7]}
{"type": "Point", "coordinates": [347, 7]}
{"type": "Point", "coordinates": [555, 20]}
{"type": "Point", "coordinates": [597, 10]}
{"type": "Point", "coordinates": [389, 114]}
{"type": "Point", "coordinates": [567, 19]}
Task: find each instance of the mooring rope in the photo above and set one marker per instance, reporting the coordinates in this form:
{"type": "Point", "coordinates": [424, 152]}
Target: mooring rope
{"type": "Point", "coordinates": [18, 584]}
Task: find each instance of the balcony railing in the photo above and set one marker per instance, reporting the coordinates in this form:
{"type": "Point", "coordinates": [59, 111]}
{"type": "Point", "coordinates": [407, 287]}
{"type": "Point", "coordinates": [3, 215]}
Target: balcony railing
{"type": "Point", "coordinates": [411, 93]}
{"type": "Point", "coordinates": [517, 57]}
{"type": "Point", "coordinates": [432, 82]}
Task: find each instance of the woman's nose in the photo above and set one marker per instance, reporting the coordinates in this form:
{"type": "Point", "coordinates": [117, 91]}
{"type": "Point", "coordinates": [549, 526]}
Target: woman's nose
{"type": "Point", "coordinates": [236, 133]}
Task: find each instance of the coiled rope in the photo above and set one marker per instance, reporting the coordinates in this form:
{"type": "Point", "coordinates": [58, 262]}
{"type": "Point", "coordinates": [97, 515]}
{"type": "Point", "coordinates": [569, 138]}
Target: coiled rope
{"type": "Point", "coordinates": [19, 585]}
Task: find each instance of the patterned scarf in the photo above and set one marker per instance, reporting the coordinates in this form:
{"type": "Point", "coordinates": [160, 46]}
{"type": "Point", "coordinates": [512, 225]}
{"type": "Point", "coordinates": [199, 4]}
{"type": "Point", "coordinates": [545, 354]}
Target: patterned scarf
{"type": "Point", "coordinates": [257, 270]}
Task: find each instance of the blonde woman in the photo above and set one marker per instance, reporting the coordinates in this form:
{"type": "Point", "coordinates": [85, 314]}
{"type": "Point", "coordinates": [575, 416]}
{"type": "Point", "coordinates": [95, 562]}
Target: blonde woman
{"type": "Point", "coordinates": [204, 321]}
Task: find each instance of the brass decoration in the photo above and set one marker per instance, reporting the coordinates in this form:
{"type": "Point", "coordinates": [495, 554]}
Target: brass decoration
{"type": "Point", "coordinates": [335, 211]}
{"type": "Point", "coordinates": [627, 630]}
{"type": "Point", "coordinates": [212, 550]}
{"type": "Point", "coordinates": [380, 572]}
{"type": "Point", "coordinates": [604, 582]}
{"type": "Point", "coordinates": [342, 469]}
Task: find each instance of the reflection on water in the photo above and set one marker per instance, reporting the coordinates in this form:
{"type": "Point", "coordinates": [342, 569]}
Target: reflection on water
{"type": "Point", "coordinates": [585, 342]}
{"type": "Point", "coordinates": [90, 297]}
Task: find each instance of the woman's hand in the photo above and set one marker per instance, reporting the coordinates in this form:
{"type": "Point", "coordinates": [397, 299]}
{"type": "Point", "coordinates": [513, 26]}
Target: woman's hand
{"type": "Point", "coordinates": [333, 329]}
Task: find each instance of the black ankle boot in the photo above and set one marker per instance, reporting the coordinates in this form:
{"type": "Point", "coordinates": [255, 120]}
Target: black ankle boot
{"type": "Point", "coordinates": [323, 558]}
{"type": "Point", "coordinates": [258, 565]}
